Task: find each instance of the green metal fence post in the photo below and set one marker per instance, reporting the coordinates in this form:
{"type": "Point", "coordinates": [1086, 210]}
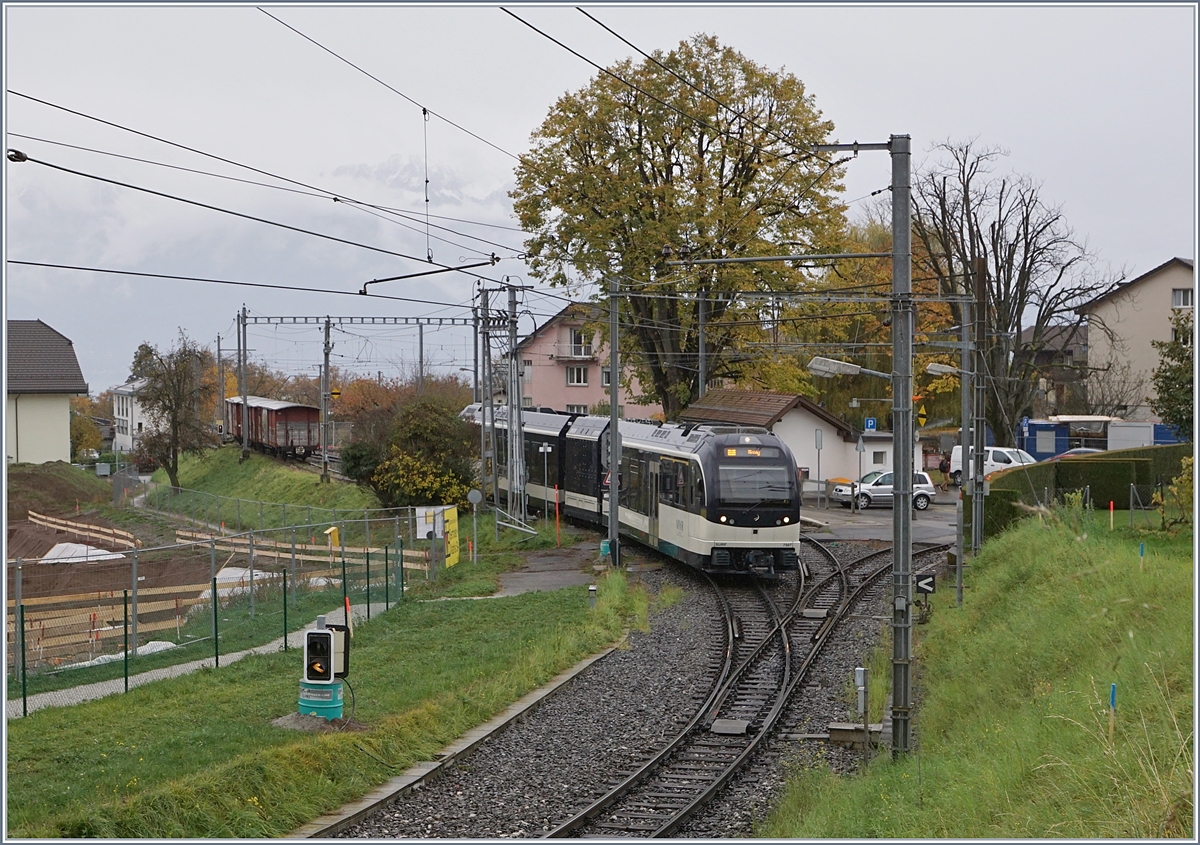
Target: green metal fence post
{"type": "Point", "coordinates": [216, 642]}
{"type": "Point", "coordinates": [368, 579]}
{"type": "Point", "coordinates": [285, 627]}
{"type": "Point", "coordinates": [24, 662]}
{"type": "Point", "coordinates": [387, 580]}
{"type": "Point", "coordinates": [251, 574]}
{"type": "Point", "coordinates": [293, 569]}
{"type": "Point", "coordinates": [400, 563]}
{"type": "Point", "coordinates": [125, 628]}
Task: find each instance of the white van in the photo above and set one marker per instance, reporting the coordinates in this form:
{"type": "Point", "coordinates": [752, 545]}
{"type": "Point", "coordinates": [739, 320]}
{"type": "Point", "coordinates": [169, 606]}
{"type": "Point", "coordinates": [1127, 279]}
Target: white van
{"type": "Point", "coordinates": [994, 458]}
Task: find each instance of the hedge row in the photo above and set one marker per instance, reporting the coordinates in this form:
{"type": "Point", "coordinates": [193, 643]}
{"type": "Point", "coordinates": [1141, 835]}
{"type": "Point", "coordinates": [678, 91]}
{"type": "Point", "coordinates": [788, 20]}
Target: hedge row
{"type": "Point", "coordinates": [1107, 475]}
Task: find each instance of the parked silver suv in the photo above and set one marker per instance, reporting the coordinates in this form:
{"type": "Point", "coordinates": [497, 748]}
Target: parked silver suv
{"type": "Point", "coordinates": [875, 488]}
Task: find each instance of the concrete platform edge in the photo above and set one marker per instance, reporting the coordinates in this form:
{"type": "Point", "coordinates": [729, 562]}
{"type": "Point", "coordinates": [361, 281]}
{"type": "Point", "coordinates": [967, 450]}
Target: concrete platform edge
{"type": "Point", "coordinates": [415, 775]}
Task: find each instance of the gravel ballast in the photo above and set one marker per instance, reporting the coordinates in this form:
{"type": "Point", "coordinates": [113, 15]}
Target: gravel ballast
{"type": "Point", "coordinates": [548, 765]}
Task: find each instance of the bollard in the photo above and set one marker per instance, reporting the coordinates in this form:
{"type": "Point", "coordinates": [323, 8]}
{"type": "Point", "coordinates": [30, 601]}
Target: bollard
{"type": "Point", "coordinates": [591, 596]}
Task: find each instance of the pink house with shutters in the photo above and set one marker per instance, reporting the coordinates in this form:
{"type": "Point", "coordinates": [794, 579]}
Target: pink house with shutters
{"type": "Point", "coordinates": [564, 366]}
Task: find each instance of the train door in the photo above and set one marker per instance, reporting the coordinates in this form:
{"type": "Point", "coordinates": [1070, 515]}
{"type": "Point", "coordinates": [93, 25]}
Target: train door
{"type": "Point", "coordinates": [652, 504]}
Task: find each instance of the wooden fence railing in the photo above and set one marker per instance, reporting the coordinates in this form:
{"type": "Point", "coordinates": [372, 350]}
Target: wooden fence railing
{"type": "Point", "coordinates": [85, 529]}
{"type": "Point", "coordinates": [416, 559]}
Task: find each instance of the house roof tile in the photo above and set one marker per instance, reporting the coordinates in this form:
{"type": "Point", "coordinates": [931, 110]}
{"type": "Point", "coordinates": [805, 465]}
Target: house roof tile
{"type": "Point", "coordinates": [754, 407]}
{"type": "Point", "coordinates": [41, 360]}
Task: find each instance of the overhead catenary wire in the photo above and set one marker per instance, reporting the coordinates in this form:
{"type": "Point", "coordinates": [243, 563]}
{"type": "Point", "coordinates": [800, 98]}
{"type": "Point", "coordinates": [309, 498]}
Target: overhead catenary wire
{"type": "Point", "coordinates": [330, 194]}
{"type": "Point", "coordinates": [643, 92]}
{"type": "Point", "coordinates": [310, 192]}
{"type": "Point", "coordinates": [211, 281]}
{"type": "Point", "coordinates": [23, 157]}
{"type": "Point", "coordinates": [389, 87]}
{"type": "Point", "coordinates": [697, 88]}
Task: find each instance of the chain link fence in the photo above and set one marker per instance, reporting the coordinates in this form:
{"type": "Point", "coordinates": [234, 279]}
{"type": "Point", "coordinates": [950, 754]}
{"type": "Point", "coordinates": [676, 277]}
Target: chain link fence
{"type": "Point", "coordinates": [106, 617]}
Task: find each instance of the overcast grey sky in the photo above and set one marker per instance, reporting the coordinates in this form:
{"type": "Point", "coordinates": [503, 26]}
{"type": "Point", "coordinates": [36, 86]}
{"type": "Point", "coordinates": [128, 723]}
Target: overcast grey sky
{"type": "Point", "coordinates": [1098, 103]}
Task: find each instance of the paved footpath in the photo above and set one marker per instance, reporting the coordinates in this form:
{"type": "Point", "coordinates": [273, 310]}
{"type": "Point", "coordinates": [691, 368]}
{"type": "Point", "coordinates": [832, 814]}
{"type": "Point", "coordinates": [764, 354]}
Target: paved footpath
{"type": "Point", "coordinates": [553, 572]}
{"type": "Point", "coordinates": [90, 692]}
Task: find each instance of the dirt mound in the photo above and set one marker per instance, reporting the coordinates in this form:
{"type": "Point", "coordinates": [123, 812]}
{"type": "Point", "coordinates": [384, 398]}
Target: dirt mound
{"type": "Point", "coordinates": [316, 724]}
{"type": "Point", "coordinates": [52, 489]}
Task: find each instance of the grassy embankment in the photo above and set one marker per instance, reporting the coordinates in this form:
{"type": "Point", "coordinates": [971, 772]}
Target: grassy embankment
{"type": "Point", "coordinates": [198, 757]}
{"type": "Point", "coordinates": [260, 476]}
{"type": "Point", "coordinates": [1013, 726]}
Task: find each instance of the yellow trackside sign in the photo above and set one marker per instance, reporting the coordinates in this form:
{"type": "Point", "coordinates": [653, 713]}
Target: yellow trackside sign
{"type": "Point", "coordinates": [451, 517]}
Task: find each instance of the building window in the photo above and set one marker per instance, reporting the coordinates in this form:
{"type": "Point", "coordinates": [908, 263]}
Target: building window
{"type": "Point", "coordinates": [577, 376]}
{"type": "Point", "coordinates": [526, 401]}
{"type": "Point", "coordinates": [879, 458]}
{"type": "Point", "coordinates": [605, 376]}
{"type": "Point", "coordinates": [581, 344]}
{"type": "Point", "coordinates": [1181, 298]}
{"type": "Point", "coordinates": [527, 371]}
{"type": "Point", "coordinates": [1184, 337]}
{"type": "Point", "coordinates": [577, 409]}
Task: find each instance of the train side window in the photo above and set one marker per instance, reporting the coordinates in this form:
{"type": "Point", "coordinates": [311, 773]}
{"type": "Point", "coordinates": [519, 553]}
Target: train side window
{"type": "Point", "coordinates": [672, 484]}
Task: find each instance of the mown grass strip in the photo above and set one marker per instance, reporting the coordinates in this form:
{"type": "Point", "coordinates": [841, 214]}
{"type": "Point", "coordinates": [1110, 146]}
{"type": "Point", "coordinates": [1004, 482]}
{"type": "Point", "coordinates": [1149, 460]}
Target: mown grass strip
{"type": "Point", "coordinates": [1012, 729]}
{"type": "Point", "coordinates": [198, 756]}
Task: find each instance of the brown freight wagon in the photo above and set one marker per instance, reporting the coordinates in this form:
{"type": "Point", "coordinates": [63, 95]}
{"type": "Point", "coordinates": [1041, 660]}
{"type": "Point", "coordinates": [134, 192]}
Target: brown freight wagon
{"type": "Point", "coordinates": [283, 429]}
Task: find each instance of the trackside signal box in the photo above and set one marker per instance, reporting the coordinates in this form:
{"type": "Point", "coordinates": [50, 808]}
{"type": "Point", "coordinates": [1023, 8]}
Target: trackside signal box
{"type": "Point", "coordinates": [326, 654]}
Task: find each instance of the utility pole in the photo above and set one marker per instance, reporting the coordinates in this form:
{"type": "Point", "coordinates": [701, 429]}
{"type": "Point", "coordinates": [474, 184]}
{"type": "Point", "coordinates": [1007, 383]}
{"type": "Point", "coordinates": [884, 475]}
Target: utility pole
{"type": "Point", "coordinates": [902, 424]}
{"type": "Point", "coordinates": [965, 387]}
{"type": "Point", "coordinates": [242, 355]}
{"type": "Point", "coordinates": [488, 435]}
{"type": "Point", "coordinates": [980, 431]}
{"type": "Point", "coordinates": [475, 348]}
{"type": "Point", "coordinates": [903, 442]}
{"type": "Point", "coordinates": [614, 432]}
{"type": "Point", "coordinates": [420, 358]}
{"type": "Point", "coordinates": [703, 356]}
{"type": "Point", "coordinates": [516, 432]}
{"type": "Point", "coordinates": [325, 407]}
{"type": "Point", "coordinates": [221, 388]}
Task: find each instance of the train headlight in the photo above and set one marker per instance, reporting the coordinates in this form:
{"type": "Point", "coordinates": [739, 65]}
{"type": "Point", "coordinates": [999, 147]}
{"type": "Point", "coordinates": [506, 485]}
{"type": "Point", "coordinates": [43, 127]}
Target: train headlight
{"type": "Point", "coordinates": [786, 520]}
{"type": "Point", "coordinates": [724, 518]}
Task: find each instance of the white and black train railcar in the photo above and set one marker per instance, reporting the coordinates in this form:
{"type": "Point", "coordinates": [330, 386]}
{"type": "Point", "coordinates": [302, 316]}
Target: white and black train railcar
{"type": "Point", "coordinates": [719, 498]}
{"type": "Point", "coordinates": [543, 455]}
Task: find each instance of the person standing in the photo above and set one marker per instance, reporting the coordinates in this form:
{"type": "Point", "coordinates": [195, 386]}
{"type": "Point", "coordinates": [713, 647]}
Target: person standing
{"type": "Point", "coordinates": [944, 469]}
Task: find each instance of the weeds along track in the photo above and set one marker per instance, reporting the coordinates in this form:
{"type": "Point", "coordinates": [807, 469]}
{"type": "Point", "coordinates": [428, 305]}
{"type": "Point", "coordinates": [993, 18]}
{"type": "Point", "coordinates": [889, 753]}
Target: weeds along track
{"type": "Point", "coordinates": [658, 733]}
{"type": "Point", "coordinates": [777, 629]}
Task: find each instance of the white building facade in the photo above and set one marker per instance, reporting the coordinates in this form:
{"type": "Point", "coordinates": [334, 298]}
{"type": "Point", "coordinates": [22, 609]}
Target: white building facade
{"type": "Point", "coordinates": [129, 420]}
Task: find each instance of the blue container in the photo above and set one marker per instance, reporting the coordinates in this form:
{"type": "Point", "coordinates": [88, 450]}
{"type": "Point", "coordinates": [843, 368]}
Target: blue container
{"type": "Point", "coordinates": [324, 700]}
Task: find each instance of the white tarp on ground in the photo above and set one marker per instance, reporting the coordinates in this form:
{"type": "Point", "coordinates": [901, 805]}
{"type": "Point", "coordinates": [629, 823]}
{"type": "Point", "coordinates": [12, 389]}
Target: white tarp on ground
{"type": "Point", "coordinates": [152, 647]}
{"type": "Point", "coordinates": [78, 553]}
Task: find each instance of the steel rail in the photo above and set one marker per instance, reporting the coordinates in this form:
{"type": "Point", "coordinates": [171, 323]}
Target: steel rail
{"type": "Point", "coordinates": [729, 676]}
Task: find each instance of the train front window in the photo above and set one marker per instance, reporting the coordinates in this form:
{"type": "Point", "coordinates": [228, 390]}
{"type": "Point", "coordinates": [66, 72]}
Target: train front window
{"type": "Point", "coordinates": [747, 484]}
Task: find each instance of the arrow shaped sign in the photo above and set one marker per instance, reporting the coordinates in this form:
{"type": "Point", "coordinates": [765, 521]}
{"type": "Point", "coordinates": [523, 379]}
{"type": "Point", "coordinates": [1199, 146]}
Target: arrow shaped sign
{"type": "Point", "coordinates": [925, 583]}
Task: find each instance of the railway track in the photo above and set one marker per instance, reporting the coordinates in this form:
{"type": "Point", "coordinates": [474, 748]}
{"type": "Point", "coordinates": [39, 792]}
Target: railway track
{"type": "Point", "coordinates": [786, 627]}
{"type": "Point", "coordinates": [773, 633]}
